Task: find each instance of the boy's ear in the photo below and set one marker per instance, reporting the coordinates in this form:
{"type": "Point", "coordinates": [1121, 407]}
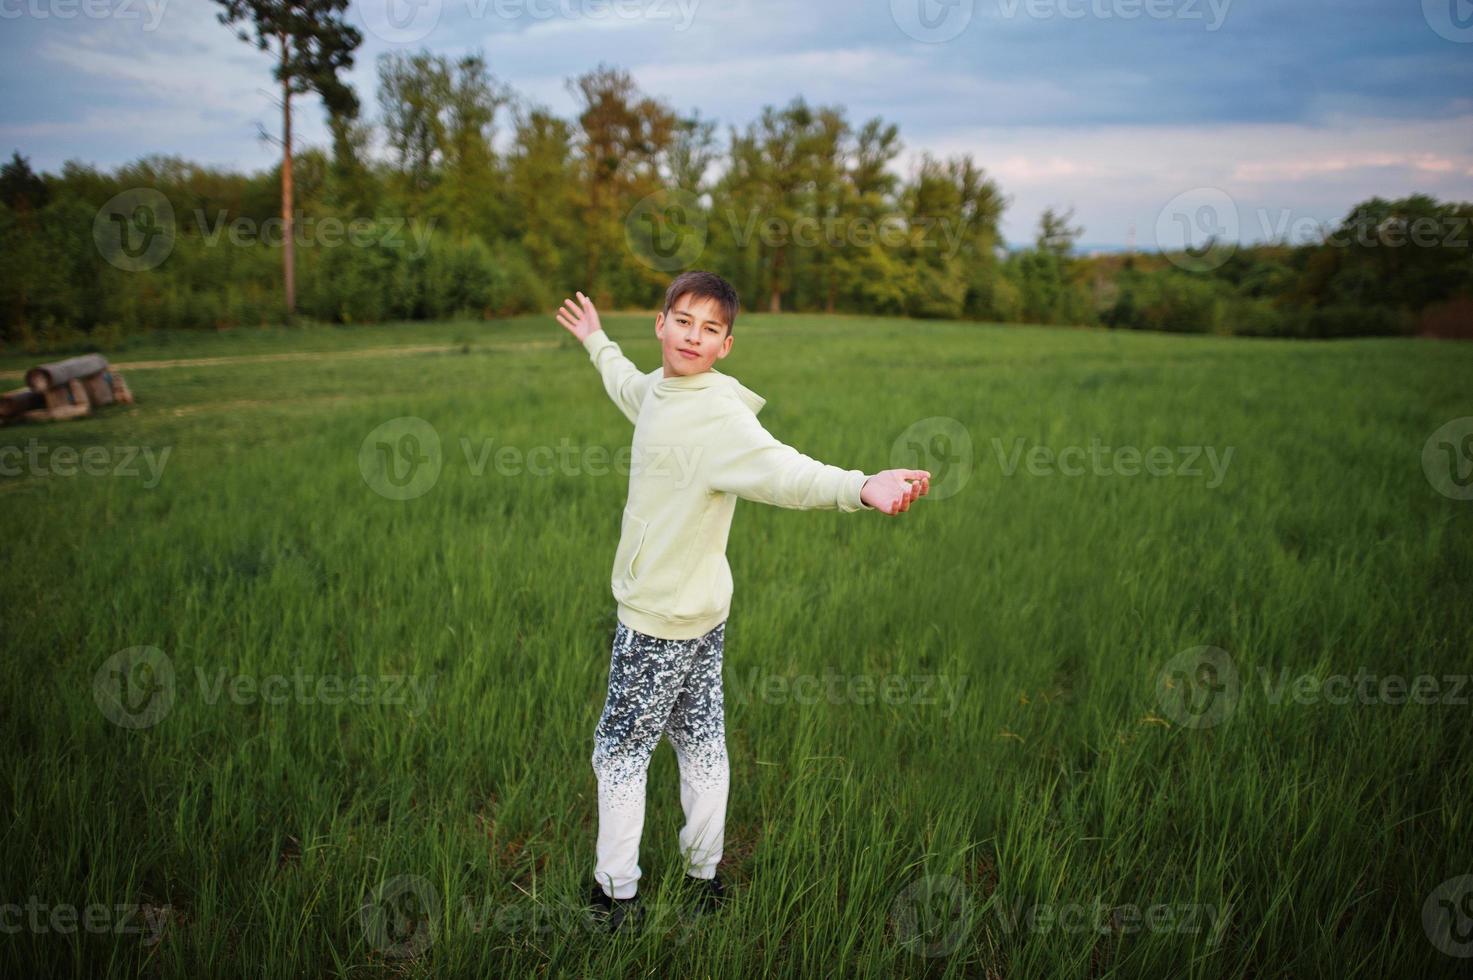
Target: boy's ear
{"type": "Point", "coordinates": [725, 347]}
{"type": "Point", "coordinates": [660, 325]}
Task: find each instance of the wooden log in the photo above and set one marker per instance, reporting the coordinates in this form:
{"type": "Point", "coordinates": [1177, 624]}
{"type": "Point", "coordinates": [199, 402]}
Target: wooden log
{"type": "Point", "coordinates": [46, 376]}
{"type": "Point", "coordinates": [59, 414]}
{"type": "Point", "coordinates": [99, 389]}
{"type": "Point", "coordinates": [122, 394]}
{"type": "Point", "coordinates": [16, 403]}
{"type": "Point", "coordinates": [67, 401]}
{"type": "Point", "coordinates": [71, 393]}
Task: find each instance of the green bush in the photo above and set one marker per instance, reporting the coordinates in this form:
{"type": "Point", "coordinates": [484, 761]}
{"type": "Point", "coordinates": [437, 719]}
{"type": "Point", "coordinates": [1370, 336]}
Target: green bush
{"type": "Point", "coordinates": [1178, 302]}
{"type": "Point", "coordinates": [1256, 318]}
{"type": "Point", "coordinates": [1347, 320]}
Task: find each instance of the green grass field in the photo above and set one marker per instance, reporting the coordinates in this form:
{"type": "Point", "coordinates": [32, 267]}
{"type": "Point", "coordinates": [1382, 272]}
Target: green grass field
{"type": "Point", "coordinates": [980, 739]}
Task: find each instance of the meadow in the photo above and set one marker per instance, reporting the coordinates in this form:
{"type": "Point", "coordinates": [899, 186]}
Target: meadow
{"type": "Point", "coordinates": [1139, 690]}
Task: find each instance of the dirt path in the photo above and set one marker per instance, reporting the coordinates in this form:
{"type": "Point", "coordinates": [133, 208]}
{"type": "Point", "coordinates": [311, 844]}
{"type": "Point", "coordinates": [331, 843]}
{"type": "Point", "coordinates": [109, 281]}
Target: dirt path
{"type": "Point", "coordinates": [367, 352]}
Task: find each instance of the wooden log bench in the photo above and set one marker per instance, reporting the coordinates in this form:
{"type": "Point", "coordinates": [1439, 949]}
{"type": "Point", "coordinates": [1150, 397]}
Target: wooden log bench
{"type": "Point", "coordinates": [66, 389]}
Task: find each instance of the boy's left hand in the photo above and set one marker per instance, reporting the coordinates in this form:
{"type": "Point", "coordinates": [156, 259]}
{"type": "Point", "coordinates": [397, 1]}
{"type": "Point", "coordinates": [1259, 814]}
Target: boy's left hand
{"type": "Point", "coordinates": [893, 491]}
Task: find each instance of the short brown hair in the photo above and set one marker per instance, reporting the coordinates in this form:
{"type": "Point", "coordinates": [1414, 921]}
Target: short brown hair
{"type": "Point", "coordinates": [705, 285]}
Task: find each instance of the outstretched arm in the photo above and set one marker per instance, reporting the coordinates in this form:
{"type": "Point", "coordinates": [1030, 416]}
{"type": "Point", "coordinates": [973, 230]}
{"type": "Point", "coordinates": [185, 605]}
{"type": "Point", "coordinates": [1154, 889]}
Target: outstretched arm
{"type": "Point", "coordinates": [748, 461]}
{"type": "Point", "coordinates": [624, 382]}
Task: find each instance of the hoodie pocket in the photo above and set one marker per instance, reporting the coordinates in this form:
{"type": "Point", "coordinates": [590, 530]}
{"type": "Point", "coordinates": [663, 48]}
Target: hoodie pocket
{"type": "Point", "coordinates": [631, 543]}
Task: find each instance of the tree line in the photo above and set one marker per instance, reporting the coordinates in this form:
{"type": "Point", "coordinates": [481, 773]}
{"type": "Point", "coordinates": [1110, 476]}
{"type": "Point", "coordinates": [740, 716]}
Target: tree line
{"type": "Point", "coordinates": [484, 205]}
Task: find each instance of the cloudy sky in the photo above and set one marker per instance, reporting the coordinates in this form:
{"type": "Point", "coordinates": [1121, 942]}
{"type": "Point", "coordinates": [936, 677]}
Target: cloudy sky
{"type": "Point", "coordinates": [1135, 113]}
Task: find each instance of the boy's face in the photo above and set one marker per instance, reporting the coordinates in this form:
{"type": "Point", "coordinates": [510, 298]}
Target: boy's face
{"type": "Point", "coordinates": [693, 337]}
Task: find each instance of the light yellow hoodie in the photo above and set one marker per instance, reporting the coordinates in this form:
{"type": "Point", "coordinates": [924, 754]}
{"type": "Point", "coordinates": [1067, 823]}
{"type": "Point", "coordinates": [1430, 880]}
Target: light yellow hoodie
{"type": "Point", "coordinates": [697, 447]}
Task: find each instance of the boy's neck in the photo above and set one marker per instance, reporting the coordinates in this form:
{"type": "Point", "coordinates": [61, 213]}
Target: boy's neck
{"type": "Point", "coordinates": [701, 379]}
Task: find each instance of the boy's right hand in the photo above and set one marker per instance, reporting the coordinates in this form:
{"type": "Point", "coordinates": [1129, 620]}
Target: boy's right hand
{"type": "Point", "coordinates": [893, 491]}
{"type": "Point", "coordinates": [580, 318]}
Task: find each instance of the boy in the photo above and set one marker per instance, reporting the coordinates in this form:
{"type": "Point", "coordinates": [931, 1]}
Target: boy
{"type": "Point", "coordinates": [697, 447]}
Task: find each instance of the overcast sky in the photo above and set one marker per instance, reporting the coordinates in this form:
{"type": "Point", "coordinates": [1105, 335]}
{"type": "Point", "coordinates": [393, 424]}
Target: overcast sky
{"type": "Point", "coordinates": [1129, 111]}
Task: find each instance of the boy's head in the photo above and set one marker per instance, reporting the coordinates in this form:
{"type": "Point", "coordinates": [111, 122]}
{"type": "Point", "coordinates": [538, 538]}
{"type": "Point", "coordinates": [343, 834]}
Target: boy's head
{"type": "Point", "coordinates": [695, 328]}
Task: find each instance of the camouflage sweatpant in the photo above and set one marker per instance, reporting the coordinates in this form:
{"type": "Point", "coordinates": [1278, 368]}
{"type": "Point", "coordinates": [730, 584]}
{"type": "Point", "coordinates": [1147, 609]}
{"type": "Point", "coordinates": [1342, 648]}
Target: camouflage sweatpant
{"type": "Point", "coordinates": [671, 688]}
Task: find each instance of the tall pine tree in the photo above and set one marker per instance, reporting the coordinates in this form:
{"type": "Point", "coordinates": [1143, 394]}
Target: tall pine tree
{"type": "Point", "coordinates": [313, 44]}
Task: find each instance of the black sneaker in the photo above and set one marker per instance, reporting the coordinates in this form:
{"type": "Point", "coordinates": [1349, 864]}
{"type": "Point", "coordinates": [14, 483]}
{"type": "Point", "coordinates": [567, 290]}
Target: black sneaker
{"type": "Point", "coordinates": [706, 894]}
{"type": "Point", "coordinates": [618, 914]}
